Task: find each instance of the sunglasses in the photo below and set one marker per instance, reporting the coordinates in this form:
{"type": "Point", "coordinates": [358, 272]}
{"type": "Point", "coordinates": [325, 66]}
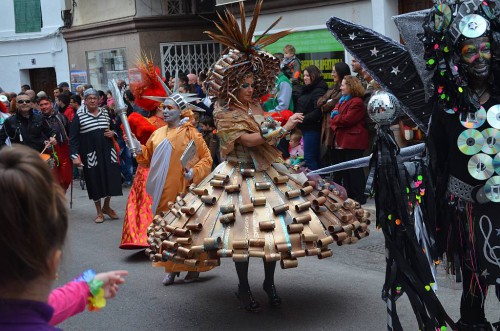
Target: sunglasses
{"type": "Point", "coordinates": [247, 85]}
{"type": "Point", "coordinates": [23, 101]}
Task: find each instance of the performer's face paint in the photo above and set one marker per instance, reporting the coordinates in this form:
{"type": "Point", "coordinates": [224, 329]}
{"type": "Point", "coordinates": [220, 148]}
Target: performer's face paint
{"type": "Point", "coordinates": [245, 92]}
{"type": "Point", "coordinates": [475, 55]}
{"type": "Point", "coordinates": [171, 112]}
{"type": "Point", "coordinates": [344, 88]}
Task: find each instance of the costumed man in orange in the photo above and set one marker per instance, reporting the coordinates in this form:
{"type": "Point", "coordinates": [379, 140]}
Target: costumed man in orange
{"type": "Point", "coordinates": [167, 177]}
{"type": "Point", "coordinates": [138, 213]}
{"type": "Point", "coordinates": [63, 167]}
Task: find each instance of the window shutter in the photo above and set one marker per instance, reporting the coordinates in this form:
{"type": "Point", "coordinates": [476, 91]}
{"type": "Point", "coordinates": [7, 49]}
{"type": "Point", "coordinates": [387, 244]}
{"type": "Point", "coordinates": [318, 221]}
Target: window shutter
{"type": "Point", "coordinates": [28, 14]}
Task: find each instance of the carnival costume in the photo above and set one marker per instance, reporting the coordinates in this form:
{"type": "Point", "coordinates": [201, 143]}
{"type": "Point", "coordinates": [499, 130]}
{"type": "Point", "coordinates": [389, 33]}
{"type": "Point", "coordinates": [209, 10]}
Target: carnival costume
{"type": "Point", "coordinates": [138, 214]}
{"type": "Point", "coordinates": [459, 215]}
{"type": "Point", "coordinates": [252, 205]}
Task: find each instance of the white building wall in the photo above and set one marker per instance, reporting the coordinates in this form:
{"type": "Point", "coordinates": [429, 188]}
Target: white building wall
{"type": "Point", "coordinates": [20, 52]}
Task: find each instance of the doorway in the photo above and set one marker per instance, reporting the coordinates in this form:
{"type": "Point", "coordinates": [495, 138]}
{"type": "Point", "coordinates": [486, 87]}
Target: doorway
{"type": "Point", "coordinates": [44, 79]}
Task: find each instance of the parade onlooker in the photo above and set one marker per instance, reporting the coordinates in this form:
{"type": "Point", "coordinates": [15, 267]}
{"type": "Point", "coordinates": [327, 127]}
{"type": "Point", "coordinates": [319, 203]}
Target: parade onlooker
{"type": "Point", "coordinates": [25, 88]}
{"type": "Point", "coordinates": [358, 70]}
{"type": "Point", "coordinates": [292, 62]}
{"type": "Point", "coordinates": [57, 93]}
{"type": "Point", "coordinates": [350, 135]}
{"type": "Point", "coordinates": [64, 87]}
{"type": "Point", "coordinates": [92, 147]}
{"type": "Point", "coordinates": [65, 107]}
{"type": "Point", "coordinates": [26, 127]}
{"type": "Point", "coordinates": [296, 149]}
{"type": "Point", "coordinates": [281, 99]}
{"type": "Point", "coordinates": [327, 102]}
{"type": "Point", "coordinates": [193, 85]}
{"type": "Point", "coordinates": [75, 102]}
{"type": "Point", "coordinates": [129, 96]}
{"type": "Point", "coordinates": [34, 228]}
{"type": "Point", "coordinates": [209, 133]}
{"type": "Point", "coordinates": [307, 104]}
{"type": "Point", "coordinates": [59, 124]}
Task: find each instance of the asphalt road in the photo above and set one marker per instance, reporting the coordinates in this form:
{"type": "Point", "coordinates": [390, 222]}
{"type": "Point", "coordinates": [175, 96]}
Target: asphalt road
{"type": "Point", "coordinates": [339, 293]}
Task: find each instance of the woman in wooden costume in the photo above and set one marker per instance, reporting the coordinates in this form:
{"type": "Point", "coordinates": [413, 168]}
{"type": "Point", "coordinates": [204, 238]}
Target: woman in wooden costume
{"type": "Point", "coordinates": [252, 205]}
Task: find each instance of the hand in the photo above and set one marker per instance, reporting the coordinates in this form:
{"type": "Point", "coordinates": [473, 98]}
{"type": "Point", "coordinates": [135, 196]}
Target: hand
{"type": "Point", "coordinates": [293, 121]}
{"type": "Point", "coordinates": [136, 143]}
{"type": "Point", "coordinates": [188, 174]}
{"type": "Point", "coordinates": [52, 141]}
{"type": "Point", "coordinates": [78, 163]}
{"type": "Point", "coordinates": [111, 280]}
{"type": "Point", "coordinates": [109, 134]}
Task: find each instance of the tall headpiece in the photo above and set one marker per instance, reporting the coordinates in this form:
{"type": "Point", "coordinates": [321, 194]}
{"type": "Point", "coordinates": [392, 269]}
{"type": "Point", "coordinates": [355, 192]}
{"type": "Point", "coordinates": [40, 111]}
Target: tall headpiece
{"type": "Point", "coordinates": [148, 85]}
{"type": "Point", "coordinates": [448, 24]}
{"type": "Point", "coordinates": [243, 56]}
{"type": "Point", "coordinates": [182, 100]}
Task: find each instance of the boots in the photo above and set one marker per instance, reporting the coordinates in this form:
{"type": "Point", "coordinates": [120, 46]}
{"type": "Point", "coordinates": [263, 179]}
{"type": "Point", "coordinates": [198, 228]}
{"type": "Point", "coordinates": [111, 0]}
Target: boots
{"type": "Point", "coordinates": [247, 301]}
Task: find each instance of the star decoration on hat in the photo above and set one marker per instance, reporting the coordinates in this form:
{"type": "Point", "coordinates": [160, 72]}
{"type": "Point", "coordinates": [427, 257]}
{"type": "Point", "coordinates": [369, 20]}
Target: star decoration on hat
{"type": "Point", "coordinates": [485, 273]}
{"type": "Point", "coordinates": [352, 36]}
{"type": "Point", "coordinates": [181, 99]}
{"type": "Point", "coordinates": [395, 70]}
{"type": "Point", "coordinates": [374, 51]}
{"type": "Point", "coordinates": [498, 232]}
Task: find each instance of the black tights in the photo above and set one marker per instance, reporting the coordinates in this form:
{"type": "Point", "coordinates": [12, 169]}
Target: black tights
{"type": "Point", "coordinates": [242, 271]}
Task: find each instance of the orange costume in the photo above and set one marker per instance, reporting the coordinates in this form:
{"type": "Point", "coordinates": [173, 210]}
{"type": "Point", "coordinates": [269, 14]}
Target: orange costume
{"type": "Point", "coordinates": [138, 214]}
{"type": "Point", "coordinates": [175, 183]}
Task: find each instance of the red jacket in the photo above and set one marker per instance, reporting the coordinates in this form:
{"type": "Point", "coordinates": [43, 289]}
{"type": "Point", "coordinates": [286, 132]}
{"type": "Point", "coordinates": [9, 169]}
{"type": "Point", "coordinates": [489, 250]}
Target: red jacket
{"type": "Point", "coordinates": [348, 126]}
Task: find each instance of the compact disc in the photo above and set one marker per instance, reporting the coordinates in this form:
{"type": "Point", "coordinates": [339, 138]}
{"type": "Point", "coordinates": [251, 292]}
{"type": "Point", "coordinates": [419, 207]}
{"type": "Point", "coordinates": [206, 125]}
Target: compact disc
{"type": "Point", "coordinates": [473, 26]}
{"type": "Point", "coordinates": [492, 189]}
{"type": "Point", "coordinates": [491, 143]}
{"type": "Point", "coordinates": [473, 120]}
{"type": "Point", "coordinates": [470, 142]}
{"type": "Point", "coordinates": [496, 163]}
{"type": "Point", "coordinates": [442, 17]}
{"type": "Point", "coordinates": [493, 116]}
{"type": "Point", "coordinates": [481, 166]}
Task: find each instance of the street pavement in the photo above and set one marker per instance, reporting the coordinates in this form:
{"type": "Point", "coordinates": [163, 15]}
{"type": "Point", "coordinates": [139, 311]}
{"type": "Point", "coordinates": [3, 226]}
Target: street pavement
{"type": "Point", "coordinates": [339, 293]}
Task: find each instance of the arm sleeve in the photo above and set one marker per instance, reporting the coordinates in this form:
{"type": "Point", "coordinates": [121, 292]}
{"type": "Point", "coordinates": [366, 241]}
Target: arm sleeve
{"type": "Point", "coordinates": [284, 97]}
{"type": "Point", "coordinates": [68, 300]}
{"type": "Point", "coordinates": [202, 168]}
{"type": "Point", "coordinates": [74, 139]}
{"type": "Point", "coordinates": [47, 130]}
{"type": "Point", "coordinates": [352, 116]}
{"type": "Point", "coordinates": [3, 134]}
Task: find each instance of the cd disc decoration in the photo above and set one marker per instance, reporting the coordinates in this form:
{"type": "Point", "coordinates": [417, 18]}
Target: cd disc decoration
{"type": "Point", "coordinates": [473, 120]}
{"type": "Point", "coordinates": [481, 166]}
{"type": "Point", "coordinates": [470, 142]}
{"type": "Point", "coordinates": [493, 116]}
{"type": "Point", "coordinates": [491, 141]}
{"type": "Point", "coordinates": [492, 189]}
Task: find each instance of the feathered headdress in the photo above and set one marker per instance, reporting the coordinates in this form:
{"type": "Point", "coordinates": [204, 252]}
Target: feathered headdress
{"type": "Point", "coordinates": [148, 85]}
{"type": "Point", "coordinates": [243, 56]}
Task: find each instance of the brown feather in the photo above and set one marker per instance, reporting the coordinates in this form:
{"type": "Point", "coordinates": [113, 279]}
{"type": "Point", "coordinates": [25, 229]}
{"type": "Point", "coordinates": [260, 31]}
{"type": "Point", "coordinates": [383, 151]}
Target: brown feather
{"type": "Point", "coordinates": [243, 25]}
{"type": "Point", "coordinates": [268, 40]}
{"type": "Point", "coordinates": [253, 24]}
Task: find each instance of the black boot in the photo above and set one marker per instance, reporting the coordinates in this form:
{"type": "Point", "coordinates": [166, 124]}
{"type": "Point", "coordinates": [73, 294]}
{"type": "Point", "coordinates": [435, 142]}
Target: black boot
{"type": "Point", "coordinates": [274, 299]}
{"type": "Point", "coordinates": [247, 301]}
{"type": "Point", "coordinates": [474, 327]}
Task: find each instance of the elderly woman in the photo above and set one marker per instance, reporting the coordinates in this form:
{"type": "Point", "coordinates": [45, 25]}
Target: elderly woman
{"type": "Point", "coordinates": [92, 146]}
{"type": "Point", "coordinates": [350, 135]}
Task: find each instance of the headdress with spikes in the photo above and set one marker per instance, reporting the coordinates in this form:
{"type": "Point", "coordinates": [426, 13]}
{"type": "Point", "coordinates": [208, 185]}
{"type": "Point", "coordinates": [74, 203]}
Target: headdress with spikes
{"type": "Point", "coordinates": [181, 99]}
{"type": "Point", "coordinates": [243, 56]}
{"type": "Point", "coordinates": [148, 85]}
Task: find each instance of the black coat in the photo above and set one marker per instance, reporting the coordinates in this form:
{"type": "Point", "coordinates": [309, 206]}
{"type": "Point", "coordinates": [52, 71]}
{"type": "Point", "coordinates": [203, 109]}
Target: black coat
{"type": "Point", "coordinates": [31, 131]}
{"type": "Point", "coordinates": [307, 104]}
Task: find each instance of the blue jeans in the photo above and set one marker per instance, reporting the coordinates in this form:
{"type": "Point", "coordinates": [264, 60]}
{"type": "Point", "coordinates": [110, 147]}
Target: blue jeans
{"type": "Point", "coordinates": [312, 141]}
{"type": "Point", "coordinates": [126, 167]}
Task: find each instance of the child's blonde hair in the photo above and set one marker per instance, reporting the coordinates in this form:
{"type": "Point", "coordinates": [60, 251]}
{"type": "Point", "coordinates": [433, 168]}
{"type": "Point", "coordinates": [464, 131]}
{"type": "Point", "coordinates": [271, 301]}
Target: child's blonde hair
{"type": "Point", "coordinates": [289, 49]}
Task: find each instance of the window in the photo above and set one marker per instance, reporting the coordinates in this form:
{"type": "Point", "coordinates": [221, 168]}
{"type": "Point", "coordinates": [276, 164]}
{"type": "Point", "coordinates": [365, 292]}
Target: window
{"type": "Point", "coordinates": [190, 57]}
{"type": "Point", "coordinates": [105, 65]}
{"type": "Point", "coordinates": [28, 15]}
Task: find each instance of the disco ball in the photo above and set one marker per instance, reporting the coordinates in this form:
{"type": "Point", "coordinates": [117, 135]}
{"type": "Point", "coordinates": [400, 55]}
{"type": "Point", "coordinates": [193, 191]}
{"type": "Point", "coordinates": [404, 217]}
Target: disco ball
{"type": "Point", "coordinates": [383, 108]}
